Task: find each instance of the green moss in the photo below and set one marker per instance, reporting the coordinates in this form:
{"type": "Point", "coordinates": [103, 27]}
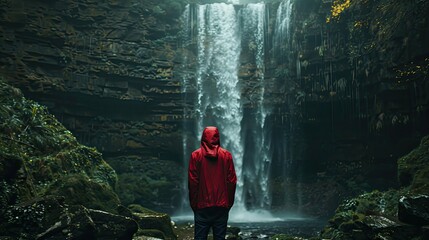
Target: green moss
{"type": "Point", "coordinates": [413, 168]}
{"type": "Point", "coordinates": [373, 203]}
{"type": "Point", "coordinates": [151, 233]}
{"type": "Point", "coordinates": [40, 157]}
{"type": "Point", "coordinates": [351, 218]}
{"type": "Point", "coordinates": [78, 189]}
{"type": "Point", "coordinates": [410, 164]}
{"type": "Point", "coordinates": [145, 181]}
{"type": "Point", "coordinates": [136, 208]}
{"type": "Point", "coordinates": [133, 188]}
{"type": "Point", "coordinates": [81, 159]}
{"type": "Point", "coordinates": [420, 184]}
{"type": "Point", "coordinates": [149, 220]}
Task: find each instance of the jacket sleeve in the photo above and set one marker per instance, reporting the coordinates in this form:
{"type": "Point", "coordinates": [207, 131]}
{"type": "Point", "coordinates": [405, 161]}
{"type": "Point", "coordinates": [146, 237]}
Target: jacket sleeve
{"type": "Point", "coordinates": [231, 181]}
{"type": "Point", "coordinates": [193, 181]}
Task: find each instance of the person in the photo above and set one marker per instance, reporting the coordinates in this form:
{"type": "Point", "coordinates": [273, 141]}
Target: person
{"type": "Point", "coordinates": [212, 182]}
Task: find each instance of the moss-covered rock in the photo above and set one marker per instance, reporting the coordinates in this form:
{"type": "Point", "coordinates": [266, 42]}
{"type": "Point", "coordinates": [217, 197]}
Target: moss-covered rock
{"type": "Point", "coordinates": [47, 217]}
{"type": "Point", "coordinates": [414, 210]}
{"type": "Point", "coordinates": [413, 168]}
{"type": "Point", "coordinates": [154, 233]}
{"type": "Point", "coordinates": [41, 157]}
{"type": "Point", "coordinates": [48, 181]}
{"type": "Point", "coordinates": [375, 215]}
{"type": "Point", "coordinates": [112, 227]}
{"type": "Point", "coordinates": [153, 222]}
{"type": "Point", "coordinates": [78, 189]}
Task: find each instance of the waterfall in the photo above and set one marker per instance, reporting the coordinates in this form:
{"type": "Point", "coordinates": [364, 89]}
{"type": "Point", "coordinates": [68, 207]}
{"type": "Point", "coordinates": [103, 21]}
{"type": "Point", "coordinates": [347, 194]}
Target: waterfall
{"type": "Point", "coordinates": [218, 94]}
{"type": "Point", "coordinates": [222, 40]}
{"type": "Point", "coordinates": [257, 177]}
{"type": "Point", "coordinates": [282, 32]}
{"type": "Point", "coordinates": [281, 46]}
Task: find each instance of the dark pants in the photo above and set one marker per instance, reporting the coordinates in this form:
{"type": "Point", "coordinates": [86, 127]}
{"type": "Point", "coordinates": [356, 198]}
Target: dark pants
{"type": "Point", "coordinates": [213, 217]}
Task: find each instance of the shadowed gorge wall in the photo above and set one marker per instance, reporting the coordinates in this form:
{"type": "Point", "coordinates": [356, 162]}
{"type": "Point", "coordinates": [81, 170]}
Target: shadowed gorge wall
{"type": "Point", "coordinates": [347, 97]}
{"type": "Point", "coordinates": [105, 69]}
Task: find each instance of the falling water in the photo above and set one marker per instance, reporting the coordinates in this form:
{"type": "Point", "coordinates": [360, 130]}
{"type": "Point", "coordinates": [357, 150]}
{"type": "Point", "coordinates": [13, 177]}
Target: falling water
{"type": "Point", "coordinates": [281, 44]}
{"type": "Point", "coordinates": [257, 177]}
{"type": "Point", "coordinates": [220, 33]}
{"type": "Point", "coordinates": [218, 101]}
{"type": "Point", "coordinates": [282, 29]}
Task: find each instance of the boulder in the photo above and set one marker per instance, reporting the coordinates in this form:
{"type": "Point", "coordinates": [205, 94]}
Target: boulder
{"type": "Point", "coordinates": [153, 233]}
{"type": "Point", "coordinates": [379, 227]}
{"type": "Point", "coordinates": [155, 222]}
{"type": "Point", "coordinates": [111, 227]}
{"type": "Point", "coordinates": [414, 209]}
{"type": "Point", "coordinates": [47, 218]}
{"type": "Point", "coordinates": [50, 218]}
{"type": "Point", "coordinates": [413, 168]}
{"type": "Point", "coordinates": [232, 233]}
{"type": "Point", "coordinates": [78, 189]}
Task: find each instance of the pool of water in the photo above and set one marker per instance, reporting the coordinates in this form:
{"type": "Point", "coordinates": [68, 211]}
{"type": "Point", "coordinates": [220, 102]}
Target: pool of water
{"type": "Point", "coordinates": [264, 230]}
{"type": "Point", "coordinates": [254, 229]}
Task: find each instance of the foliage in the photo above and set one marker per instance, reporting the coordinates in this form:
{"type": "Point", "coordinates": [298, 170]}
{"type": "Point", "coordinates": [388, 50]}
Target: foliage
{"type": "Point", "coordinates": [373, 203]}
{"type": "Point", "coordinates": [351, 214]}
{"type": "Point", "coordinates": [79, 189]}
{"type": "Point", "coordinates": [413, 168]}
{"type": "Point", "coordinates": [413, 71]}
{"type": "Point", "coordinates": [358, 213]}
{"type": "Point", "coordinates": [338, 6]}
{"type": "Point", "coordinates": [40, 157]}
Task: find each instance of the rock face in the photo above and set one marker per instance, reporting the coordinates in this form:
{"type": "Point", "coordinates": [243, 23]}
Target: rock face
{"type": "Point", "coordinates": [414, 210]}
{"type": "Point", "coordinates": [354, 92]}
{"type": "Point", "coordinates": [395, 214]}
{"type": "Point", "coordinates": [50, 218]}
{"type": "Point", "coordinates": [110, 226]}
{"type": "Point", "coordinates": [349, 97]}
{"type": "Point", "coordinates": [105, 69]}
{"type": "Point", "coordinates": [412, 167]}
{"type": "Point", "coordinates": [49, 182]}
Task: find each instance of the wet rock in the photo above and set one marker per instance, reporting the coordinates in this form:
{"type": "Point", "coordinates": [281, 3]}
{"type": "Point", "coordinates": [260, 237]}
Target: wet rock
{"type": "Point", "coordinates": [124, 211]}
{"type": "Point", "coordinates": [370, 227]}
{"type": "Point", "coordinates": [153, 233]}
{"type": "Point", "coordinates": [285, 237]}
{"type": "Point", "coordinates": [153, 222]}
{"type": "Point", "coordinates": [414, 210]}
{"type": "Point", "coordinates": [232, 233]}
{"type": "Point", "coordinates": [47, 218]}
{"type": "Point", "coordinates": [110, 227]}
{"type": "Point", "coordinates": [413, 167]}
{"type": "Point", "coordinates": [50, 218]}
{"type": "Point", "coordinates": [233, 230]}
{"type": "Point", "coordinates": [379, 227]}
{"type": "Point", "coordinates": [68, 178]}
{"type": "Point", "coordinates": [81, 190]}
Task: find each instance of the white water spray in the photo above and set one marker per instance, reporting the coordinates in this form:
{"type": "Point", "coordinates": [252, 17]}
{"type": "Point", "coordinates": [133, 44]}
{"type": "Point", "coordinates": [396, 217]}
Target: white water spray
{"type": "Point", "coordinates": [218, 37]}
{"type": "Point", "coordinates": [282, 30]}
{"type": "Point", "coordinates": [258, 176]}
{"type": "Point", "coordinates": [218, 92]}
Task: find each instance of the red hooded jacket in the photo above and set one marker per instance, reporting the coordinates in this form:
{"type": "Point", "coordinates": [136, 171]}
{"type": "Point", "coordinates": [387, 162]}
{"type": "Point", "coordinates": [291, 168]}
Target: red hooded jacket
{"type": "Point", "coordinates": [211, 174]}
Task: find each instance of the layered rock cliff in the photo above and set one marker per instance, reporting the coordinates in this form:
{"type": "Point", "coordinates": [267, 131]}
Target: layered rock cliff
{"type": "Point", "coordinates": [355, 97]}
{"type": "Point", "coordinates": [105, 69]}
{"type": "Point", "coordinates": [349, 94]}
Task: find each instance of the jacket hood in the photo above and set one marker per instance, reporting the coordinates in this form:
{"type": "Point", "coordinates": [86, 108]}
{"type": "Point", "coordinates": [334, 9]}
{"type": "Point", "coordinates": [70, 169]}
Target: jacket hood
{"type": "Point", "coordinates": [210, 142]}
